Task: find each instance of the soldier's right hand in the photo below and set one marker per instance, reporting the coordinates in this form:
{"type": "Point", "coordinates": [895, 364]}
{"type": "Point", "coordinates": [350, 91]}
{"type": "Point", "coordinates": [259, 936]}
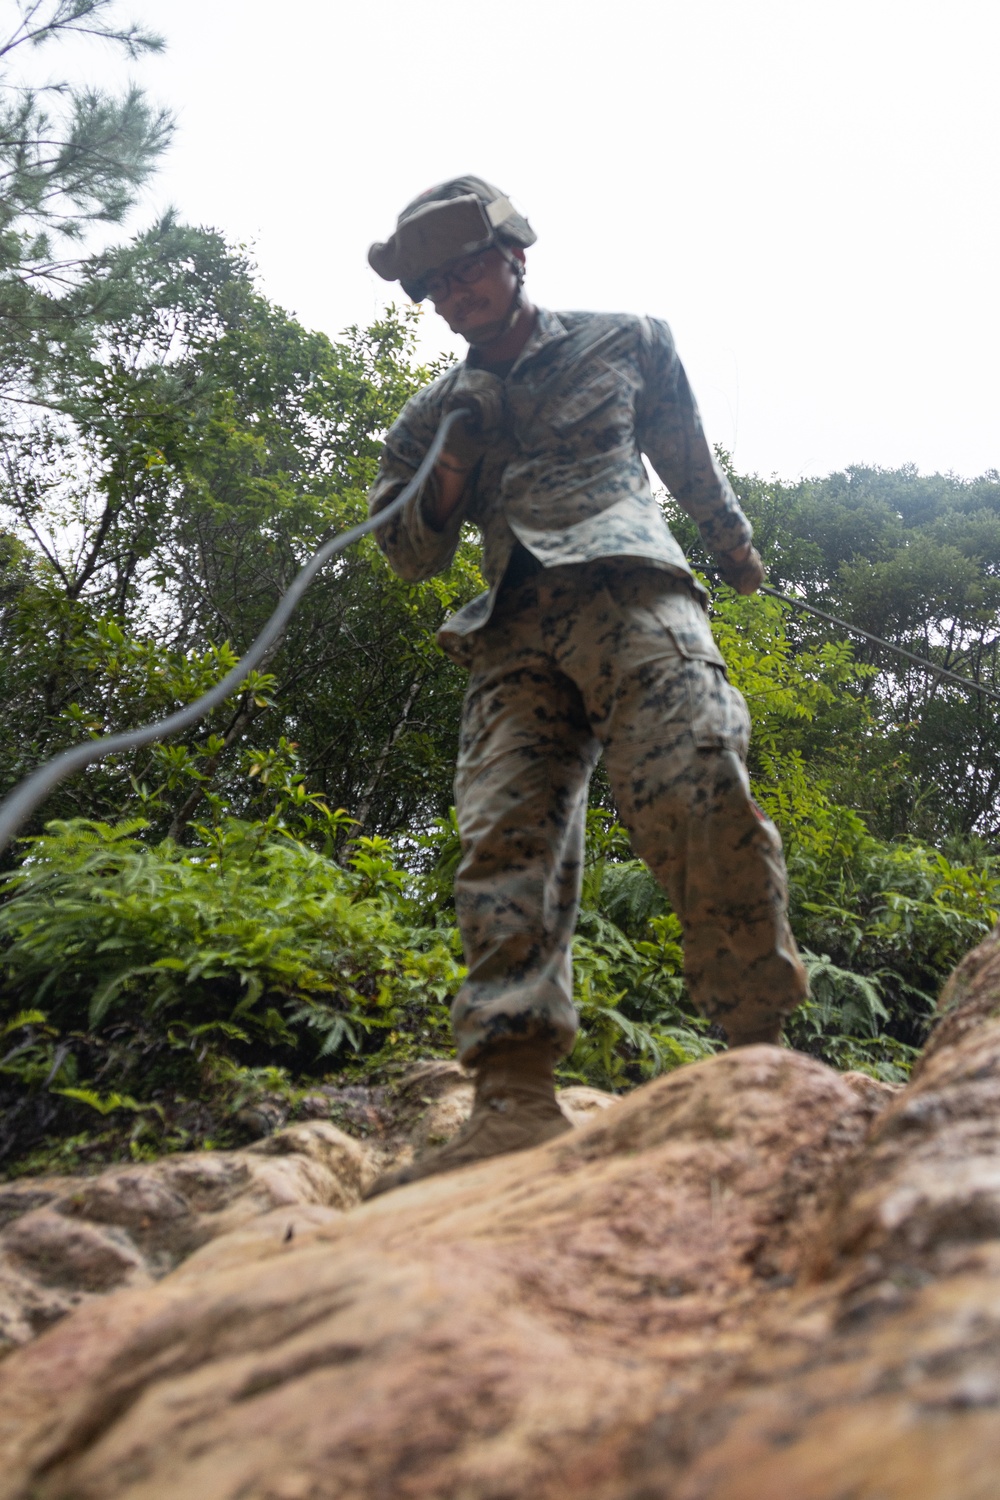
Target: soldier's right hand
{"type": "Point", "coordinates": [481, 394]}
{"type": "Point", "coordinates": [742, 569]}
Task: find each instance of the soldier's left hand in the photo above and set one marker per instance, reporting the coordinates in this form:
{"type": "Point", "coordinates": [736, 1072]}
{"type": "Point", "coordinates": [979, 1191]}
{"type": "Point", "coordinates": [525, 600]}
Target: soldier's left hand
{"type": "Point", "coordinates": [742, 568]}
{"type": "Point", "coordinates": [482, 395]}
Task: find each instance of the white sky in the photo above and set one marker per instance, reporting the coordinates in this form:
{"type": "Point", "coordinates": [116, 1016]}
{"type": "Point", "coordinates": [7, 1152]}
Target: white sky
{"type": "Point", "coordinates": [806, 189]}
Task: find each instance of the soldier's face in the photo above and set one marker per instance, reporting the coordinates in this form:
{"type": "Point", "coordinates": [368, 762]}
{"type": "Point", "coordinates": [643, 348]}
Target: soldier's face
{"type": "Point", "coordinates": [474, 295]}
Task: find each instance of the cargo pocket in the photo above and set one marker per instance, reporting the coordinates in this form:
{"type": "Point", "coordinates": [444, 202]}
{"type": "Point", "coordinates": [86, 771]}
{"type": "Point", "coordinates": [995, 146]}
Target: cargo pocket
{"type": "Point", "coordinates": [678, 612]}
{"type": "Point", "coordinates": [661, 607]}
{"type": "Point", "coordinates": [719, 716]}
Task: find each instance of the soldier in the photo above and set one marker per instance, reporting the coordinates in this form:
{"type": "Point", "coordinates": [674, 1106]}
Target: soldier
{"type": "Point", "coordinates": [593, 638]}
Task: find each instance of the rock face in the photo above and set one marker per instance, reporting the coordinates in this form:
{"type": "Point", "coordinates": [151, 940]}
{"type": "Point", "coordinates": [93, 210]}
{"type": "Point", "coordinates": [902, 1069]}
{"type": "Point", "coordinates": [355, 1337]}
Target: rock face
{"type": "Point", "coordinates": [753, 1279]}
{"type": "Point", "coordinates": [66, 1240]}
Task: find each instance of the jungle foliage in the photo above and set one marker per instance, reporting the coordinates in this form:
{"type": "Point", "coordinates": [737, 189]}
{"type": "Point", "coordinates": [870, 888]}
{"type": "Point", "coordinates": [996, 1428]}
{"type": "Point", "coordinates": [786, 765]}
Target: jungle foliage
{"type": "Point", "coordinates": [266, 902]}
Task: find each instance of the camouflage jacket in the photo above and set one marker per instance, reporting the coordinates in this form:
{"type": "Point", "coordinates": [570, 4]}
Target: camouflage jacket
{"type": "Point", "coordinates": [587, 396]}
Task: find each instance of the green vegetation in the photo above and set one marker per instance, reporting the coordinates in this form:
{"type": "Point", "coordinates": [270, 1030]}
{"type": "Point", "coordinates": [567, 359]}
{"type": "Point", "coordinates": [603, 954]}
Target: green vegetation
{"type": "Point", "coordinates": [203, 924]}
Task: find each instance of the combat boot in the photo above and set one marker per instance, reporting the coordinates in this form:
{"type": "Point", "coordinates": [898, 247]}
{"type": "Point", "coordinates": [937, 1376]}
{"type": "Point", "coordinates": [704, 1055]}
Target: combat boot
{"type": "Point", "coordinates": [514, 1108]}
{"type": "Point", "coordinates": [769, 1033]}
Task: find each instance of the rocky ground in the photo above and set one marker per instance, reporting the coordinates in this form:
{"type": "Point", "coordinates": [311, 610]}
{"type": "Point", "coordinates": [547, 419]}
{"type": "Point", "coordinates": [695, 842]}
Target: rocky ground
{"type": "Point", "coordinates": [66, 1240]}
{"type": "Point", "coordinates": [753, 1278]}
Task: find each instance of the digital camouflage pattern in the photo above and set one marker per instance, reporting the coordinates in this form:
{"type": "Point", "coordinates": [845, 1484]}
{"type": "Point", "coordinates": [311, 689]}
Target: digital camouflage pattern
{"type": "Point", "coordinates": [593, 636]}
{"type": "Point", "coordinates": [610, 656]}
{"type": "Point", "coordinates": [586, 397]}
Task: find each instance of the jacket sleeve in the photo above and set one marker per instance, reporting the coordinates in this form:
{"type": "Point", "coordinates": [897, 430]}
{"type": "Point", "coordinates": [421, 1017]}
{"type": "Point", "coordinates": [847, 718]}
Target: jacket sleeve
{"type": "Point", "coordinates": [415, 549]}
{"type": "Point", "coordinates": [670, 434]}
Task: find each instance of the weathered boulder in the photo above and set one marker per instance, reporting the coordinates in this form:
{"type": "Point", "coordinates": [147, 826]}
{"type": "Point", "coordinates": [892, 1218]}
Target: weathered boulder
{"type": "Point", "coordinates": [66, 1240]}
{"type": "Point", "coordinates": [753, 1278]}
{"type": "Point", "coordinates": [879, 1377]}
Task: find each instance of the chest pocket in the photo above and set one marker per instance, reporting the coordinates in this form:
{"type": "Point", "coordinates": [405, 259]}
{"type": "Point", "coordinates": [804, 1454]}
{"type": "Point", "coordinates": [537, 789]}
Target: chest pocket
{"type": "Point", "coordinates": [568, 410]}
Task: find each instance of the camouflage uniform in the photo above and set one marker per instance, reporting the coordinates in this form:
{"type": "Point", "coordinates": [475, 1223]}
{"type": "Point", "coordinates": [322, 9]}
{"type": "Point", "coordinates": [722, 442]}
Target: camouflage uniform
{"type": "Point", "coordinates": [593, 636]}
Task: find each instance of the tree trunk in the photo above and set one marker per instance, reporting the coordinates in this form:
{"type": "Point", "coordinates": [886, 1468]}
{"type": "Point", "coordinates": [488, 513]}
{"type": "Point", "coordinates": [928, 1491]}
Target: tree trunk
{"type": "Point", "coordinates": [364, 806]}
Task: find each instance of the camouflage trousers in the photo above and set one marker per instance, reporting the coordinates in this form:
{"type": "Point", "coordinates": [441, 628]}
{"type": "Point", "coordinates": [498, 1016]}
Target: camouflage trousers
{"type": "Point", "coordinates": [617, 657]}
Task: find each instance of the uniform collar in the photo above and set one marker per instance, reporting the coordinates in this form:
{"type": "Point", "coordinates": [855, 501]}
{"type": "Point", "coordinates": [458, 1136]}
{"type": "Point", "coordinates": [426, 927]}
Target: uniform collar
{"type": "Point", "coordinates": [548, 327]}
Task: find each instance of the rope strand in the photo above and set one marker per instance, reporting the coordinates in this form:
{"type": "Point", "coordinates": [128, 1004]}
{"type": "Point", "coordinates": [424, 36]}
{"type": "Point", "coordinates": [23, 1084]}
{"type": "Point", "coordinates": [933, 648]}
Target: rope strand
{"type": "Point", "coordinates": [920, 661]}
{"type": "Point", "coordinates": [18, 806]}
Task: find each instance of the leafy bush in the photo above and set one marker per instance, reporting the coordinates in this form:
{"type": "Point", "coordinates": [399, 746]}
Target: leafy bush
{"type": "Point", "coordinates": [883, 925]}
{"type": "Point", "coordinates": [150, 979]}
{"type": "Point", "coordinates": [153, 991]}
{"type": "Point", "coordinates": [635, 1018]}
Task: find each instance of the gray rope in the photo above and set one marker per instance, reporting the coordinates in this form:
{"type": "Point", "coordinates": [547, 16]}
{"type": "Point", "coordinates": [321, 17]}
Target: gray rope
{"type": "Point", "coordinates": [22, 801]}
{"type": "Point", "coordinates": [920, 661]}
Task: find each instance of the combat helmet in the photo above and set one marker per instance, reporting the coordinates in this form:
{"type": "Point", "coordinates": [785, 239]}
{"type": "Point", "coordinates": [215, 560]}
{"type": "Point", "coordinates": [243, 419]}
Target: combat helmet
{"type": "Point", "coordinates": [458, 217]}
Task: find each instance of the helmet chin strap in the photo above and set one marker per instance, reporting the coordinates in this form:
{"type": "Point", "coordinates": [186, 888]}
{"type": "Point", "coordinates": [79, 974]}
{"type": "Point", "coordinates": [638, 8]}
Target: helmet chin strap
{"type": "Point", "coordinates": [492, 333]}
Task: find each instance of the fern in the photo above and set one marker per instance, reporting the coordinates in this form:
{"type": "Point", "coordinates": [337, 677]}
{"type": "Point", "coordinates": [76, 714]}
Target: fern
{"type": "Point", "coordinates": [105, 1104]}
{"type": "Point", "coordinates": [842, 1000]}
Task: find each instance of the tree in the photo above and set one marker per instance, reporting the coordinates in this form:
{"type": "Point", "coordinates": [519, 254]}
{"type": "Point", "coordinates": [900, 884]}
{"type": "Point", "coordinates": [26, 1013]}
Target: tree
{"type": "Point", "coordinates": [204, 446]}
{"type": "Point", "coordinates": [69, 158]}
{"type": "Point", "coordinates": [914, 559]}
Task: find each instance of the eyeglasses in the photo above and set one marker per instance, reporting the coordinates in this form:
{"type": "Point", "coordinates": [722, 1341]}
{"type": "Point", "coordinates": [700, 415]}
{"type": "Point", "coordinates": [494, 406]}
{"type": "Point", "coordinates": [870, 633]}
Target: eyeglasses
{"type": "Point", "coordinates": [437, 285]}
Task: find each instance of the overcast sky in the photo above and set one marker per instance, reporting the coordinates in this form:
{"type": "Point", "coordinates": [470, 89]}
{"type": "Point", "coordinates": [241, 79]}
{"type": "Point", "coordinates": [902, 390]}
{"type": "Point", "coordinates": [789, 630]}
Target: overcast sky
{"type": "Point", "coordinates": [807, 190]}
